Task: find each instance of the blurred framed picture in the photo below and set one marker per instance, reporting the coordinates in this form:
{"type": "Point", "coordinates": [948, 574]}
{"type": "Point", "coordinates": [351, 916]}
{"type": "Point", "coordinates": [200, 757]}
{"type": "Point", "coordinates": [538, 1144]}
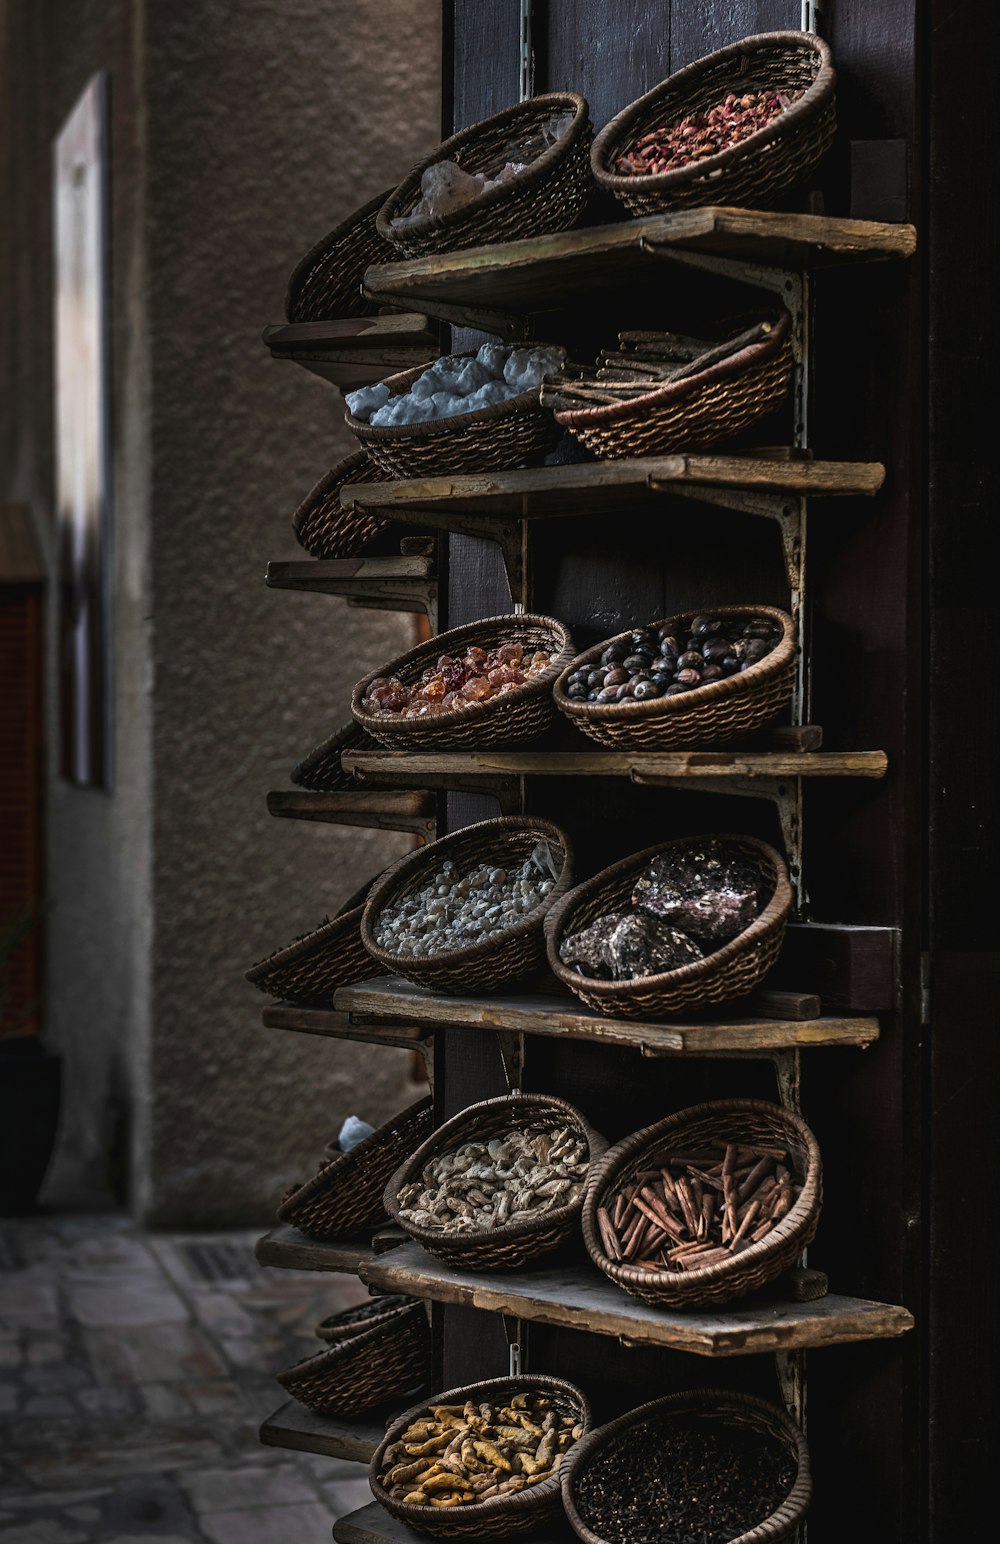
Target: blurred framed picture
{"type": "Point", "coordinates": [80, 193]}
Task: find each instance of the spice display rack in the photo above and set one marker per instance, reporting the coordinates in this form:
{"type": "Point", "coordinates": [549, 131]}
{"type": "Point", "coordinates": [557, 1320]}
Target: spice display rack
{"type": "Point", "coordinates": [508, 290]}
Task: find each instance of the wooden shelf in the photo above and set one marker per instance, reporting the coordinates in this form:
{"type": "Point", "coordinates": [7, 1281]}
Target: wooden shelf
{"type": "Point", "coordinates": [295, 1427]}
{"type": "Point", "coordinates": [383, 811]}
{"type": "Point", "coordinates": [290, 1250]}
{"type": "Point", "coordinates": [355, 351]}
{"type": "Point", "coordinates": [373, 1525]}
{"type": "Point", "coordinates": [555, 273]}
{"type": "Point", "coordinates": [580, 1297]}
{"type": "Point", "coordinates": [385, 584]}
{"type": "Point", "coordinates": [340, 1026]}
{"type": "Point", "coordinates": [391, 997]}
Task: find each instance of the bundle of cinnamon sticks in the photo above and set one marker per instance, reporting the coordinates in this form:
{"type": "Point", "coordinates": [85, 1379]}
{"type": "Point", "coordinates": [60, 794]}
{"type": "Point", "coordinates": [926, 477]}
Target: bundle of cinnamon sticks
{"type": "Point", "coordinates": [687, 1210]}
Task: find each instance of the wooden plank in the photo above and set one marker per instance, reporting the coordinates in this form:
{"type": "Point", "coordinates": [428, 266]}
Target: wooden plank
{"type": "Point", "coordinates": [302, 1431]}
{"type": "Point", "coordinates": [317, 573]}
{"type": "Point", "coordinates": [339, 1026]}
{"type": "Point", "coordinates": [411, 767]}
{"type": "Point", "coordinates": [580, 1297]}
{"type": "Point", "coordinates": [290, 1250]}
{"type": "Point", "coordinates": [556, 272]}
{"type": "Point", "coordinates": [375, 810]}
{"type": "Point", "coordinates": [566, 1018]}
{"type": "Point", "coordinates": [546, 492]}
{"type": "Point", "coordinates": [373, 1525]}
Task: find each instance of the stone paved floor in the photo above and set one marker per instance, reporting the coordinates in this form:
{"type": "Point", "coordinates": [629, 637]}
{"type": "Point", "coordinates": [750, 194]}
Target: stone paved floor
{"type": "Point", "coordinates": [131, 1390]}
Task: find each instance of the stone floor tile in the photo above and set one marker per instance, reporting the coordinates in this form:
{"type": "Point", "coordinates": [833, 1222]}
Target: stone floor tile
{"type": "Point", "coordinates": [109, 1404]}
{"type": "Point", "coordinates": [26, 1299]}
{"type": "Point", "coordinates": [42, 1350]}
{"type": "Point", "coordinates": [44, 1530]}
{"type": "Point", "coordinates": [215, 1490]}
{"type": "Point", "coordinates": [345, 1496]}
{"type": "Point", "coordinates": [9, 1399]}
{"type": "Point", "coordinates": [222, 1313]}
{"type": "Point", "coordinates": [132, 1301]}
{"type": "Point", "coordinates": [160, 1353]}
{"type": "Point", "coordinates": [165, 1401]}
{"type": "Point", "coordinates": [161, 1538]}
{"type": "Point", "coordinates": [306, 1524]}
{"type": "Point", "coordinates": [118, 1456]}
{"type": "Point", "coordinates": [47, 1405]}
{"type": "Point", "coordinates": [146, 1504]}
{"type": "Point", "coordinates": [11, 1352]}
{"type": "Point", "coordinates": [57, 1378]}
{"type": "Point", "coordinates": [216, 1397]}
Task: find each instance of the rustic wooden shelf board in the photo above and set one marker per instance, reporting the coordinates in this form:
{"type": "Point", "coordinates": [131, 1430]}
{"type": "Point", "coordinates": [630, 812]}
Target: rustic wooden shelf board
{"type": "Point", "coordinates": [552, 273]}
{"type": "Point", "coordinates": [391, 997]}
{"type": "Point", "coordinates": [547, 492]}
{"type": "Point", "coordinates": [373, 1525]}
{"type": "Point", "coordinates": [415, 768]}
{"type": "Point", "coordinates": [289, 1249]}
{"type": "Point", "coordinates": [579, 1297]}
{"type": "Point", "coordinates": [333, 575]}
{"type": "Point", "coordinates": [354, 351]}
{"type": "Point", "coordinates": [340, 1026]}
{"type": "Point", "coordinates": [295, 1427]}
{"type": "Point", "coordinates": [375, 809]}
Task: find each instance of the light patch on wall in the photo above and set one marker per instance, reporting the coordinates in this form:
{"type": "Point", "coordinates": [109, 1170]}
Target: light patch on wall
{"type": "Point", "coordinates": [82, 434]}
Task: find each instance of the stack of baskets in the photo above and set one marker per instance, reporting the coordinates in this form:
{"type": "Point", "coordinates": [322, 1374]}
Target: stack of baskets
{"type": "Point", "coordinates": [374, 1354]}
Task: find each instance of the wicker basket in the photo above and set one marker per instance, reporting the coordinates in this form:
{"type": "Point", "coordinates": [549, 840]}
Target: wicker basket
{"type": "Point", "coordinates": [747, 1121]}
{"type": "Point", "coordinates": [321, 770]}
{"type": "Point", "coordinates": [309, 971]}
{"type": "Point", "coordinates": [349, 1322]}
{"type": "Point", "coordinates": [520, 714]}
{"type": "Point", "coordinates": [383, 1359]}
{"type": "Point", "coordinates": [490, 439]}
{"type": "Point", "coordinates": [321, 523]}
{"type": "Point", "coordinates": [345, 1195]}
{"type": "Point", "coordinates": [504, 1248]}
{"type": "Point", "coordinates": [548, 196]}
{"type": "Point", "coordinates": [762, 167]}
{"type": "Point", "coordinates": [502, 1517]}
{"type": "Point", "coordinates": [728, 972]}
{"type": "Point", "coordinates": [713, 1405]}
{"type": "Point", "coordinates": [715, 713]}
{"type": "Point", "coordinates": [697, 411]}
{"type": "Point", "coordinates": [327, 281]}
{"type": "Point", "coordinates": [505, 956]}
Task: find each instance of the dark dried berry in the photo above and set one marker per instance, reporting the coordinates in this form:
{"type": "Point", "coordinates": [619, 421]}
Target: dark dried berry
{"type": "Point", "coordinates": [692, 660]}
{"type": "Point", "coordinates": [595, 679]}
{"type": "Point", "coordinates": [715, 649]}
{"type": "Point", "coordinates": [636, 662]}
{"type": "Point", "coordinates": [608, 694]}
{"type": "Point", "coordinates": [712, 673]}
{"type": "Point", "coordinates": [577, 690]}
{"type": "Point", "coordinates": [644, 690]}
{"type": "Point", "coordinates": [688, 678]}
{"type": "Point", "coordinates": [616, 676]}
{"type": "Point", "coordinates": [677, 688]}
{"type": "Point", "coordinates": [730, 665]}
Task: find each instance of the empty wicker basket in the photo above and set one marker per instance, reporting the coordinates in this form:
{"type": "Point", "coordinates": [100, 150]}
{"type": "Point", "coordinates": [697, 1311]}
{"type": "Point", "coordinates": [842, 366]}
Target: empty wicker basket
{"type": "Point", "coordinates": [309, 971]}
{"type": "Point", "coordinates": [731, 971]}
{"type": "Point", "coordinates": [324, 527]}
{"type": "Point", "coordinates": [326, 283]}
{"type": "Point", "coordinates": [374, 1361]}
{"type": "Point", "coordinates": [321, 770]}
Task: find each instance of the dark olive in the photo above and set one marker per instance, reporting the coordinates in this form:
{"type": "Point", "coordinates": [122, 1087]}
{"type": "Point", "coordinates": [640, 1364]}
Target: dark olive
{"type": "Point", "coordinates": [616, 652]}
{"type": "Point", "coordinates": [621, 692]}
{"type": "Point", "coordinates": [690, 661]}
{"type": "Point", "coordinates": [712, 673]}
{"type": "Point", "coordinates": [730, 665]}
{"type": "Point", "coordinates": [687, 678]}
{"type": "Point", "coordinates": [577, 690]}
{"type": "Point", "coordinates": [663, 677]}
{"type": "Point", "coordinates": [756, 650]}
{"type": "Point", "coordinates": [668, 643]}
{"type": "Point", "coordinates": [595, 680]}
{"type": "Point", "coordinates": [591, 696]}
{"type": "Point", "coordinates": [643, 638]}
{"type": "Point", "coordinates": [635, 662]}
{"type": "Point", "coordinates": [676, 689]}
{"type": "Point", "coordinates": [706, 626]}
{"type": "Point", "coordinates": [608, 694]}
{"type": "Point", "coordinates": [616, 676]}
{"type": "Point", "coordinates": [760, 627]}
{"type": "Point", "coordinates": [646, 689]}
{"type": "Point", "coordinates": [715, 649]}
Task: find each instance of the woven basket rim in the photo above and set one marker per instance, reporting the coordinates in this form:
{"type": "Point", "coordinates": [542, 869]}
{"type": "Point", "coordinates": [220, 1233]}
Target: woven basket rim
{"type": "Point", "coordinates": [618, 130]}
{"type": "Point", "coordinates": [448, 642]}
{"type": "Point", "coordinates": [346, 920]}
{"type": "Point", "coordinates": [400, 875]}
{"type": "Point", "coordinates": [359, 216]}
{"type": "Point", "coordinates": [792, 1508]}
{"type": "Point", "coordinates": [339, 740]}
{"type": "Point", "coordinates": [395, 434]}
{"type": "Point", "coordinates": [364, 1316]}
{"type": "Point", "coordinates": [337, 477]}
{"type": "Point", "coordinates": [704, 696]}
{"type": "Point", "coordinates": [317, 1182]}
{"type": "Point", "coordinates": [388, 1323]}
{"type": "Point", "coordinates": [673, 393]}
{"type": "Point", "coordinates": [496, 1506]}
{"type": "Point", "coordinates": [626, 1155]}
{"type": "Point", "coordinates": [773, 913]}
{"type": "Point", "coordinates": [406, 192]}
{"type": "Point", "coordinates": [452, 1129]}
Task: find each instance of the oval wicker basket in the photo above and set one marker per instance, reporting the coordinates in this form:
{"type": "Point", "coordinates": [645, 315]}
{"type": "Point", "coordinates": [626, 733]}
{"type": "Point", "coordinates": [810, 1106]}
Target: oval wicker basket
{"type": "Point", "coordinates": [374, 1362]}
{"type": "Point", "coordinates": [326, 282]}
{"type": "Point", "coordinates": [501, 1517]}
{"type": "Point", "coordinates": [490, 439]}
{"type": "Point", "coordinates": [505, 956]}
{"type": "Point", "coordinates": [518, 715]}
{"type": "Point", "coordinates": [345, 1194]}
{"type": "Point", "coordinates": [711, 1404]}
{"type": "Point", "coordinates": [513, 1245]}
{"type": "Point", "coordinates": [549, 195]}
{"type": "Point", "coordinates": [715, 713]}
{"type": "Point", "coordinates": [759, 169]}
{"type": "Point", "coordinates": [321, 523]}
{"type": "Point", "coordinates": [321, 770]}
{"type": "Point", "coordinates": [309, 971]}
{"type": "Point", "coordinates": [697, 411]}
{"type": "Point", "coordinates": [730, 971]}
{"type": "Point", "coordinates": [746, 1121]}
{"type": "Point", "coordinates": [337, 1327]}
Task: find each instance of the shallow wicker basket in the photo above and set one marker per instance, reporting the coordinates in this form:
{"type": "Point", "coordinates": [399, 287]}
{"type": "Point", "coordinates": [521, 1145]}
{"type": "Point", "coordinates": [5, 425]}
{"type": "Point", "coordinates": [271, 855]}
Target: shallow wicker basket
{"type": "Point", "coordinates": [321, 523]}
{"type": "Point", "coordinates": [730, 971]}
{"type": "Point", "coordinates": [762, 167]}
{"type": "Point", "coordinates": [345, 1194]}
{"type": "Point", "coordinates": [715, 713]}
{"type": "Point", "coordinates": [520, 714]}
{"type": "Point", "coordinates": [321, 770]}
{"type": "Point", "coordinates": [491, 439]}
{"type": "Point", "coordinates": [502, 1517]}
{"type": "Point", "coordinates": [326, 283]}
{"type": "Point", "coordinates": [505, 956]}
{"type": "Point", "coordinates": [746, 1121]}
{"type": "Point", "coordinates": [373, 1362]}
{"type": "Point", "coordinates": [713, 1405]}
{"type": "Point", "coordinates": [309, 971]}
{"type": "Point", "coordinates": [697, 411]}
{"type": "Point", "coordinates": [349, 1322]}
{"type": "Point", "coordinates": [549, 195]}
{"type": "Point", "coordinates": [505, 1248]}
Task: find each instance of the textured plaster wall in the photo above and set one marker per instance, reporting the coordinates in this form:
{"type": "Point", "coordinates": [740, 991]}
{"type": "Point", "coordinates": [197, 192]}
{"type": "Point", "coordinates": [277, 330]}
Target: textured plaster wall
{"type": "Point", "coordinates": [241, 133]}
